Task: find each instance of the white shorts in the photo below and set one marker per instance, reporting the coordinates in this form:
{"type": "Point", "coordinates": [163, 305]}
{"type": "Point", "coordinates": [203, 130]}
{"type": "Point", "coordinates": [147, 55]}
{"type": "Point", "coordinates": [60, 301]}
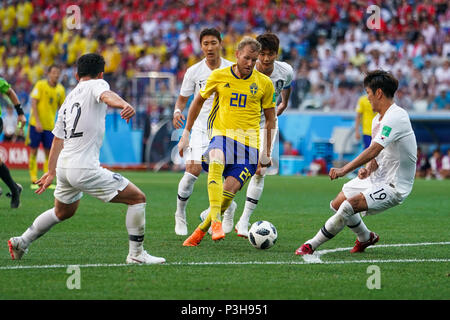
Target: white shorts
{"type": "Point", "coordinates": [198, 144]}
{"type": "Point", "coordinates": [99, 183]}
{"type": "Point", "coordinates": [379, 197]}
{"type": "Point", "coordinates": [262, 138]}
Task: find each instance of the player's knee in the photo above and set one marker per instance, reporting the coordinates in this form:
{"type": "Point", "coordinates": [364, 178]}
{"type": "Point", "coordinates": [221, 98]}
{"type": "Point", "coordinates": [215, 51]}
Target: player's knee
{"type": "Point", "coordinates": [194, 169]}
{"type": "Point", "coordinates": [64, 214]}
{"type": "Point", "coordinates": [140, 197]}
{"type": "Point", "coordinates": [357, 203]}
{"type": "Point", "coordinates": [336, 203]}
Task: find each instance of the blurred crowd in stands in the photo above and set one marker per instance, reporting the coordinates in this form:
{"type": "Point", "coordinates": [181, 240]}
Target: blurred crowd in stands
{"type": "Point", "coordinates": [327, 43]}
{"type": "Point", "coordinates": [436, 166]}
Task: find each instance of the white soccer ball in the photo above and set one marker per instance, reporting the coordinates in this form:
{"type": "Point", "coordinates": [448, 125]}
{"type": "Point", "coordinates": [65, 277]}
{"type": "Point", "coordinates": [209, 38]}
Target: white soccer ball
{"type": "Point", "coordinates": [262, 235]}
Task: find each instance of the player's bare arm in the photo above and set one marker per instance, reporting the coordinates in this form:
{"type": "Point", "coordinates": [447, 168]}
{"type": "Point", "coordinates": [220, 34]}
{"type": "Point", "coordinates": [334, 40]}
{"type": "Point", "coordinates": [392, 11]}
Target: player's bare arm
{"type": "Point", "coordinates": [367, 155]}
{"type": "Point", "coordinates": [47, 178]}
{"type": "Point", "coordinates": [194, 110]}
{"type": "Point", "coordinates": [178, 116]}
{"type": "Point", "coordinates": [16, 102]}
{"type": "Point", "coordinates": [285, 94]}
{"type": "Point", "coordinates": [365, 172]}
{"type": "Point", "coordinates": [113, 100]}
{"type": "Point", "coordinates": [269, 129]}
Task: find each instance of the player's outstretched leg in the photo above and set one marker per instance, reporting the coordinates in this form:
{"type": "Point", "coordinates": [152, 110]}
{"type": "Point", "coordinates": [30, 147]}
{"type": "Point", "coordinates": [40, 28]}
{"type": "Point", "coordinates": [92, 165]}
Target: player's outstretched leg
{"type": "Point", "coordinates": [331, 228]}
{"type": "Point", "coordinates": [18, 246]}
{"type": "Point", "coordinates": [185, 189]}
{"type": "Point", "coordinates": [215, 195]}
{"type": "Point", "coordinates": [254, 192]}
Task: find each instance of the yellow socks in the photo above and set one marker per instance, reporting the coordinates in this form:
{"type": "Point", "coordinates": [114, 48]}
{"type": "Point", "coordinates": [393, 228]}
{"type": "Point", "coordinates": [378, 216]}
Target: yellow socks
{"type": "Point", "coordinates": [215, 189]}
{"type": "Point", "coordinates": [46, 164]}
{"type": "Point", "coordinates": [227, 198]}
{"type": "Point", "coordinates": [33, 168]}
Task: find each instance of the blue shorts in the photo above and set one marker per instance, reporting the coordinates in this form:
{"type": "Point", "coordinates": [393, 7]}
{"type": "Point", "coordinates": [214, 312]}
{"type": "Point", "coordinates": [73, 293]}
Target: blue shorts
{"type": "Point", "coordinates": [367, 140]}
{"type": "Point", "coordinates": [46, 137]}
{"type": "Point", "coordinates": [241, 161]}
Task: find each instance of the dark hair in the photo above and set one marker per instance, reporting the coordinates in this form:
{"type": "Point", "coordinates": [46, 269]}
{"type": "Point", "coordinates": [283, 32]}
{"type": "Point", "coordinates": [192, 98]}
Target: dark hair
{"type": "Point", "coordinates": [53, 66]}
{"type": "Point", "coordinates": [210, 32]}
{"type": "Point", "coordinates": [269, 41]}
{"type": "Point", "coordinates": [383, 80]}
{"type": "Point", "coordinates": [91, 64]}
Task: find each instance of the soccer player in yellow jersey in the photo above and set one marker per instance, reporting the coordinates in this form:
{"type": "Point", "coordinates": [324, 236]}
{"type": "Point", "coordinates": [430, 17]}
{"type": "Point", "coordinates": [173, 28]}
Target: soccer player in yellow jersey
{"type": "Point", "coordinates": [364, 117]}
{"type": "Point", "coordinates": [241, 94]}
{"type": "Point", "coordinates": [46, 98]}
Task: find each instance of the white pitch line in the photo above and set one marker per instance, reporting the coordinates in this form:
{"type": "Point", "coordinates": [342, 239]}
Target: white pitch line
{"type": "Point", "coordinates": [312, 259]}
{"type": "Point", "coordinates": [59, 266]}
{"type": "Point", "coordinates": [315, 257]}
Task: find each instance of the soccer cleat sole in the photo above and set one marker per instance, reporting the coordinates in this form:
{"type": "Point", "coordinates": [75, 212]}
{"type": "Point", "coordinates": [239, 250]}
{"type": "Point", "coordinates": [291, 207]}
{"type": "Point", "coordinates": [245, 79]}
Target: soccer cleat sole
{"type": "Point", "coordinates": [11, 250]}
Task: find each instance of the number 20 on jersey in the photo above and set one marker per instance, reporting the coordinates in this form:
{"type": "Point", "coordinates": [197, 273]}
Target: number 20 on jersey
{"type": "Point", "coordinates": [238, 100]}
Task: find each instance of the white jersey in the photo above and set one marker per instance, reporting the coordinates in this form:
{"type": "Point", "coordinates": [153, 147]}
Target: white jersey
{"type": "Point", "coordinates": [281, 77]}
{"type": "Point", "coordinates": [194, 79]}
{"type": "Point", "coordinates": [397, 161]}
{"type": "Point", "coordinates": [81, 123]}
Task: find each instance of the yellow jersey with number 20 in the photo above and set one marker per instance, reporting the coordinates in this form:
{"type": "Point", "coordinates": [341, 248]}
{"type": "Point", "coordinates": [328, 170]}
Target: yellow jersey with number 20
{"type": "Point", "coordinates": [238, 103]}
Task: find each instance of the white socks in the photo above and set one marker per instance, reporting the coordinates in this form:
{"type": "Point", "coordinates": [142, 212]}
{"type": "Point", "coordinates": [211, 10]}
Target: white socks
{"type": "Point", "coordinates": [333, 226]}
{"type": "Point", "coordinates": [135, 222]}
{"type": "Point", "coordinates": [185, 189]}
{"type": "Point", "coordinates": [356, 224]}
{"type": "Point", "coordinates": [40, 226]}
{"type": "Point", "coordinates": [254, 192]}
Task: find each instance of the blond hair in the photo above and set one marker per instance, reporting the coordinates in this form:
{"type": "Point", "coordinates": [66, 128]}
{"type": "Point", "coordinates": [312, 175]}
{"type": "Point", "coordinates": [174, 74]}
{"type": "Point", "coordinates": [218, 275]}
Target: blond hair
{"type": "Point", "coordinates": [249, 41]}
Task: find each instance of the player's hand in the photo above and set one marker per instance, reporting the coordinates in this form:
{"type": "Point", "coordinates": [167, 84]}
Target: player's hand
{"type": "Point", "coordinates": [363, 173]}
{"type": "Point", "coordinates": [280, 108]}
{"type": "Point", "coordinates": [127, 112]}
{"type": "Point", "coordinates": [336, 173]}
{"type": "Point", "coordinates": [265, 161]}
{"type": "Point", "coordinates": [38, 127]}
{"type": "Point", "coordinates": [44, 182]}
{"type": "Point", "coordinates": [21, 121]}
{"type": "Point", "coordinates": [178, 119]}
{"type": "Point", "coordinates": [357, 135]}
{"type": "Point", "coordinates": [183, 143]}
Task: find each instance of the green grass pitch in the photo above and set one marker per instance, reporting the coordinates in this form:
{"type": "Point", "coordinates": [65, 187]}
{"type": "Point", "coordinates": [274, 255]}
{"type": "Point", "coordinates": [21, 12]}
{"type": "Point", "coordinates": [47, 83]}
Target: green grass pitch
{"type": "Point", "coordinates": [95, 239]}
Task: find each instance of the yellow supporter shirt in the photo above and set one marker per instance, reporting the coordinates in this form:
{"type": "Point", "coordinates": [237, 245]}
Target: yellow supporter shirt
{"type": "Point", "coordinates": [7, 16]}
{"type": "Point", "coordinates": [238, 103]}
{"type": "Point", "coordinates": [34, 72]}
{"type": "Point", "coordinates": [48, 53]}
{"type": "Point", "coordinates": [367, 115]}
{"type": "Point", "coordinates": [74, 49]}
{"type": "Point", "coordinates": [112, 59]}
{"type": "Point", "coordinates": [89, 45]}
{"type": "Point", "coordinates": [12, 61]}
{"type": "Point", "coordinates": [49, 100]}
{"type": "Point", "coordinates": [24, 12]}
